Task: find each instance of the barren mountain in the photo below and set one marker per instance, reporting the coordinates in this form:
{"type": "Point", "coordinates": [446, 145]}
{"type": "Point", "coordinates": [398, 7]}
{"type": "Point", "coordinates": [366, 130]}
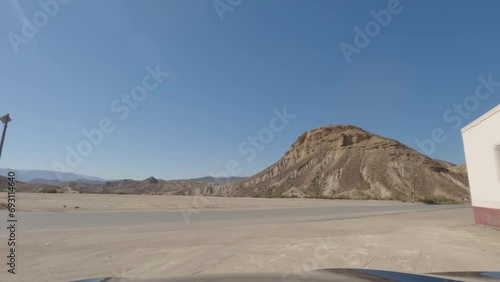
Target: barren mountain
{"type": "Point", "coordinates": [460, 169]}
{"type": "Point", "coordinates": [26, 187]}
{"type": "Point", "coordinates": [150, 185]}
{"type": "Point", "coordinates": [347, 161]}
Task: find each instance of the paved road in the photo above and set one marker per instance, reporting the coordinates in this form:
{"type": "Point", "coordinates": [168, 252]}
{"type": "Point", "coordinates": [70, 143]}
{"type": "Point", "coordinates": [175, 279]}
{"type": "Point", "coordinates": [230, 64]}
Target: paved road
{"type": "Point", "coordinates": [189, 219]}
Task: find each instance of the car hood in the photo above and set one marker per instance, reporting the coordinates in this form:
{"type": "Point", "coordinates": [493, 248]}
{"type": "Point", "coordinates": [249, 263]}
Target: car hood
{"type": "Point", "coordinates": [324, 275]}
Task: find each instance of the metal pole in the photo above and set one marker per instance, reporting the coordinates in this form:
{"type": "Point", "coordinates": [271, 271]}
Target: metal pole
{"type": "Point", "coordinates": [7, 119]}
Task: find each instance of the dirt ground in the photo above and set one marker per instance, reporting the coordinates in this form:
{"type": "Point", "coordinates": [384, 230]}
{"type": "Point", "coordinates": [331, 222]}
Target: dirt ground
{"type": "Point", "coordinates": [56, 202]}
{"type": "Point", "coordinates": [445, 240]}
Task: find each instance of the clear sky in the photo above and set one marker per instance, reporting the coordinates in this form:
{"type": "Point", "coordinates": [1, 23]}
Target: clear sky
{"type": "Point", "coordinates": [226, 77]}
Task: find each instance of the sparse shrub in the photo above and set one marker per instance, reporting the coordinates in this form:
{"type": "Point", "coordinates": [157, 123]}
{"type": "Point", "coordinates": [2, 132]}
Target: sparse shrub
{"type": "Point", "coordinates": [439, 200]}
{"type": "Point", "coordinates": [342, 197]}
{"type": "Point", "coordinates": [398, 197]}
{"type": "Point", "coordinates": [319, 197]}
{"type": "Point", "coordinates": [49, 190]}
{"type": "Point", "coordinates": [323, 197]}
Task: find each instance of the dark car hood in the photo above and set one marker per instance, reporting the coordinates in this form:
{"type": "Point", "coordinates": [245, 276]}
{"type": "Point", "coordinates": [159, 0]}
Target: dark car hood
{"type": "Point", "coordinates": [330, 275]}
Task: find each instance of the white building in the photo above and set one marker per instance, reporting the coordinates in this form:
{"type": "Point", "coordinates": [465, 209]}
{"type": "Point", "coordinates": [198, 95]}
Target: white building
{"type": "Point", "coordinates": [482, 153]}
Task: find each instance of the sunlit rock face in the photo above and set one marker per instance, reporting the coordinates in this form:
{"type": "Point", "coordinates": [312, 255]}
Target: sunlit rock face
{"type": "Point", "coordinates": [347, 161]}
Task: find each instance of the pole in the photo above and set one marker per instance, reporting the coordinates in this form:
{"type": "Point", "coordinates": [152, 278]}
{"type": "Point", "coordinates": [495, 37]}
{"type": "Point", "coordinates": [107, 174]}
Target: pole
{"type": "Point", "coordinates": [5, 121]}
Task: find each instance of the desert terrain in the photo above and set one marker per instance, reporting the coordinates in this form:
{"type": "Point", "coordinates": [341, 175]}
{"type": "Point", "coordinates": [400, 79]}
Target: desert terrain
{"type": "Point", "coordinates": [145, 236]}
{"type": "Point", "coordinates": [335, 162]}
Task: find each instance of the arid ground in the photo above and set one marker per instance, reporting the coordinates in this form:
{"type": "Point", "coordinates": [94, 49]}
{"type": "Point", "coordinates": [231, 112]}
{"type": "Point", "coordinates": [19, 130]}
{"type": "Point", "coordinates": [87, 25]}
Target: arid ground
{"type": "Point", "coordinates": [166, 236]}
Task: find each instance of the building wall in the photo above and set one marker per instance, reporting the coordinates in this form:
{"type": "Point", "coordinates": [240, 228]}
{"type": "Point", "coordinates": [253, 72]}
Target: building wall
{"type": "Point", "coordinates": [481, 139]}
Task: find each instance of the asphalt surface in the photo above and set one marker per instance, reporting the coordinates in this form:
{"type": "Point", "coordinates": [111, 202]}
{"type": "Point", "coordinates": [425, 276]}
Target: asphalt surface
{"type": "Point", "coordinates": [65, 244]}
{"type": "Point", "coordinates": [201, 218]}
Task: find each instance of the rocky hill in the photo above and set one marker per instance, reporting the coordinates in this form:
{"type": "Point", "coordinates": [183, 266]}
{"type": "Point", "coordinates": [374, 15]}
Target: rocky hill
{"type": "Point", "coordinates": [460, 169]}
{"type": "Point", "coordinates": [151, 185]}
{"type": "Point", "coordinates": [343, 161]}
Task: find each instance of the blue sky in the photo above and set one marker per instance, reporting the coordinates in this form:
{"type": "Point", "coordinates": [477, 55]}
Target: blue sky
{"type": "Point", "coordinates": [226, 77]}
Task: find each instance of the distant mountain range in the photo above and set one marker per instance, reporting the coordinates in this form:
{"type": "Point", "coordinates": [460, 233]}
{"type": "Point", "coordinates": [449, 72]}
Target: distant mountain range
{"type": "Point", "coordinates": [150, 185]}
{"type": "Point", "coordinates": [28, 187]}
{"type": "Point", "coordinates": [48, 176]}
{"type": "Point", "coordinates": [46, 180]}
